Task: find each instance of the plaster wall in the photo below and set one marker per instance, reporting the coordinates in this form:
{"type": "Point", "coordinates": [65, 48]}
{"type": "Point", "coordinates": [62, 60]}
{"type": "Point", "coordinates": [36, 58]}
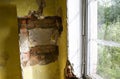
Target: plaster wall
{"type": "Point", "coordinates": [54, 70]}
{"type": "Point", "coordinates": [9, 46]}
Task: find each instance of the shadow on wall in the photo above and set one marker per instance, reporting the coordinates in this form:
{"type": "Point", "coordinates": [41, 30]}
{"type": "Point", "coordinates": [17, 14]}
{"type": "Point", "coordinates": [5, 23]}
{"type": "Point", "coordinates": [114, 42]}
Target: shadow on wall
{"type": "Point", "coordinates": [9, 46]}
{"type": "Point", "coordinates": [11, 55]}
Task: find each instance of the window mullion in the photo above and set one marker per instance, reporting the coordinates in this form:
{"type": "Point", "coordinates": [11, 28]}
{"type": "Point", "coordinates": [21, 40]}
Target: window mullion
{"type": "Point", "coordinates": [84, 38]}
{"type": "Point", "coordinates": [108, 43]}
{"type": "Point", "coordinates": [91, 48]}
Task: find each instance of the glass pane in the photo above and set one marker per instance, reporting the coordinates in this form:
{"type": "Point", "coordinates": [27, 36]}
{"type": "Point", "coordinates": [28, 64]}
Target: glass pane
{"type": "Point", "coordinates": [104, 39]}
{"type": "Point", "coordinates": [108, 66]}
{"type": "Point", "coordinates": [109, 20]}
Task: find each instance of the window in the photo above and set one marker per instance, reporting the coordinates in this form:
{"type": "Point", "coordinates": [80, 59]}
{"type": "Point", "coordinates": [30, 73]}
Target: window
{"type": "Point", "coordinates": [94, 38]}
{"type": "Point", "coordinates": [103, 39]}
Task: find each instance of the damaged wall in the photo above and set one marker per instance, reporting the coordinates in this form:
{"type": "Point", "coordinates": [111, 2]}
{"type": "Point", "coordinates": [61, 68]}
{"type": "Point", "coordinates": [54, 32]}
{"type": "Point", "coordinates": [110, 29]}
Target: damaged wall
{"type": "Point", "coordinates": [53, 70]}
{"type": "Point", "coordinates": [24, 6]}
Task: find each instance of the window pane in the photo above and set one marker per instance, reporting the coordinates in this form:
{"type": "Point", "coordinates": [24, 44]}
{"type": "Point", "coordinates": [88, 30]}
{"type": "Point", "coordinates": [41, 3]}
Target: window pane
{"type": "Point", "coordinates": [108, 65]}
{"type": "Point", "coordinates": [108, 27]}
{"type": "Point", "coordinates": [109, 20]}
{"type": "Point", "coordinates": [103, 39]}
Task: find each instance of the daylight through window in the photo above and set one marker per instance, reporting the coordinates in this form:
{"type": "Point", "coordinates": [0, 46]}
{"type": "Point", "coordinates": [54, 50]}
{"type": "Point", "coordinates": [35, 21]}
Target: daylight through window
{"type": "Point", "coordinates": [104, 39]}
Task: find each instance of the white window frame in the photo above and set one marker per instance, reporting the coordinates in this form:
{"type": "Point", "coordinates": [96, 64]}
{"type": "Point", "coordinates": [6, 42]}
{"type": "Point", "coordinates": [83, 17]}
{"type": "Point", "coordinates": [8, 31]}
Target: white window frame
{"type": "Point", "coordinates": [92, 36]}
{"type": "Point", "coordinates": [92, 41]}
{"type": "Point", "coordinates": [87, 39]}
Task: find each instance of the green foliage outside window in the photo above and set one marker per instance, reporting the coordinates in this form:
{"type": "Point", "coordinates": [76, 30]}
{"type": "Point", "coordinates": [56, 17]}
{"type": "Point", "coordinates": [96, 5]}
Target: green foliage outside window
{"type": "Point", "coordinates": [109, 30]}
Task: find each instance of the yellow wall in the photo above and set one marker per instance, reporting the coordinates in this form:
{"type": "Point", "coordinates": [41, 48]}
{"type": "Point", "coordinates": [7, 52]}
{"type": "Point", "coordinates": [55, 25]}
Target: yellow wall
{"type": "Point", "coordinates": [62, 11]}
{"type": "Point", "coordinates": [9, 46]}
{"type": "Point", "coordinates": [24, 6]}
{"type": "Point", "coordinates": [54, 70]}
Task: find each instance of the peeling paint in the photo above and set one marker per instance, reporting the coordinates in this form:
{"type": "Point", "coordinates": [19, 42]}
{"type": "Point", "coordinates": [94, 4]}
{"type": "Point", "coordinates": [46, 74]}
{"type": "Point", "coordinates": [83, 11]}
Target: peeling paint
{"type": "Point", "coordinates": [69, 74]}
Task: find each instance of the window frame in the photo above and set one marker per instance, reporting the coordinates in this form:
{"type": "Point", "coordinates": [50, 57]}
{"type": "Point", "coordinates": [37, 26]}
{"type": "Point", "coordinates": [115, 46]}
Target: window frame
{"type": "Point", "coordinates": [86, 39]}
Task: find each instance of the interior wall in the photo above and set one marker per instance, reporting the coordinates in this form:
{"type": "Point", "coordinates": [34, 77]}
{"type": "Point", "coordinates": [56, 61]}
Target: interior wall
{"type": "Point", "coordinates": [54, 70]}
{"type": "Point", "coordinates": [62, 11]}
{"type": "Point", "coordinates": [9, 47]}
{"type": "Point", "coordinates": [24, 6]}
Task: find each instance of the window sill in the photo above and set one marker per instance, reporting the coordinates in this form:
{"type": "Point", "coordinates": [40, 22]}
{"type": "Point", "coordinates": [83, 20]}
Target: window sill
{"type": "Point", "coordinates": [93, 76]}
